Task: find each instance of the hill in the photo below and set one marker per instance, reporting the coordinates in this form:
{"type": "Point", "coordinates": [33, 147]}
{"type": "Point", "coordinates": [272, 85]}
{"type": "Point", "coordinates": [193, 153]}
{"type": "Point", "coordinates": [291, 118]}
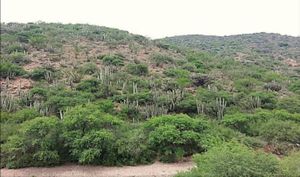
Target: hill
{"type": "Point", "coordinates": [245, 47]}
{"type": "Point", "coordinates": [96, 95]}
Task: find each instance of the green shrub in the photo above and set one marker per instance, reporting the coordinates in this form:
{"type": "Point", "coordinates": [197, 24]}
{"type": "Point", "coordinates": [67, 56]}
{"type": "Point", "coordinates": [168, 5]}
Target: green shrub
{"type": "Point", "coordinates": [279, 131]}
{"type": "Point", "coordinates": [38, 41]}
{"type": "Point", "coordinates": [173, 137]}
{"type": "Point", "coordinates": [19, 58]}
{"type": "Point", "coordinates": [14, 48]}
{"type": "Point", "coordinates": [246, 84]}
{"type": "Point", "coordinates": [176, 73]}
{"type": "Point", "coordinates": [235, 160]}
{"type": "Point", "coordinates": [113, 59]}
{"type": "Point", "coordinates": [89, 134]}
{"type": "Point", "coordinates": [37, 144]}
{"type": "Point", "coordinates": [291, 104]}
{"type": "Point", "coordinates": [94, 147]}
{"type": "Point", "coordinates": [132, 148]}
{"type": "Point", "coordinates": [38, 74]}
{"type": "Point", "coordinates": [88, 68]}
{"type": "Point", "coordinates": [217, 134]}
{"type": "Point", "coordinates": [60, 99]}
{"type": "Point", "coordinates": [8, 69]}
{"type": "Point", "coordinates": [290, 165]}
{"type": "Point", "coordinates": [295, 87]}
{"type": "Point", "coordinates": [137, 69]}
{"type": "Point", "coordinates": [24, 115]}
{"type": "Point", "coordinates": [268, 99]}
{"type": "Point", "coordinates": [91, 85]}
{"type": "Point", "coordinates": [160, 59]}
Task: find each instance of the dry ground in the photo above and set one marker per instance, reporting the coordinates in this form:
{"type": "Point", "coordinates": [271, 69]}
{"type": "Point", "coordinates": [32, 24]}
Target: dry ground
{"type": "Point", "coordinates": [154, 170]}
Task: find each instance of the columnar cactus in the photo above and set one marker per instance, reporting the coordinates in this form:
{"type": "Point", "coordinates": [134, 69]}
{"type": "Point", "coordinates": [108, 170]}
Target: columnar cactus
{"type": "Point", "coordinates": [220, 105]}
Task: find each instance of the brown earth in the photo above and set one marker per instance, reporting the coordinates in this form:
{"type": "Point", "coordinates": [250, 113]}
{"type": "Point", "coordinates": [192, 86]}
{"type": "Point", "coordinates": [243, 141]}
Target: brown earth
{"type": "Point", "coordinates": [154, 170]}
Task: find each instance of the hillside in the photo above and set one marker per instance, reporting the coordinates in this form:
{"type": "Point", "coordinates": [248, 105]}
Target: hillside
{"type": "Point", "coordinates": [96, 95]}
{"type": "Point", "coordinates": [245, 47]}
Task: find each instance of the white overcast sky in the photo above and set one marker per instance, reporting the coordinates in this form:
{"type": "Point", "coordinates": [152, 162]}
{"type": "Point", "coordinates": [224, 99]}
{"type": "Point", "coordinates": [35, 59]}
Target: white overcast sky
{"type": "Point", "coordinates": [160, 18]}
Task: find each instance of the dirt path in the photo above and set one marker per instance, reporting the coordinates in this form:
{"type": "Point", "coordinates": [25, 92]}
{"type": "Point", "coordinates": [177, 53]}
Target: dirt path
{"type": "Point", "coordinates": [154, 170]}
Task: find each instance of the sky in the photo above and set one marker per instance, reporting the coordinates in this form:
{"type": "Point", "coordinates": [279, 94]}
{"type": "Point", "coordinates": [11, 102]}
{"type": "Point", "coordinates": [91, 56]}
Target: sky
{"type": "Point", "coordinates": [161, 18]}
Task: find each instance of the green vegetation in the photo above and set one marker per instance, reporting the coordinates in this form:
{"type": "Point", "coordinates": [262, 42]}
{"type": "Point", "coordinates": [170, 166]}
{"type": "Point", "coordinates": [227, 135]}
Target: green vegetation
{"type": "Point", "coordinates": [233, 159]}
{"type": "Point", "coordinates": [96, 95]}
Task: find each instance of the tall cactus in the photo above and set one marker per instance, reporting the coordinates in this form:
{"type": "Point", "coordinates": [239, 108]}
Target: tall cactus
{"type": "Point", "coordinates": [200, 106]}
{"type": "Point", "coordinates": [220, 105]}
{"type": "Point", "coordinates": [8, 102]}
{"type": "Point", "coordinates": [174, 97]}
{"type": "Point", "coordinates": [134, 88]}
{"type": "Point", "coordinates": [255, 102]}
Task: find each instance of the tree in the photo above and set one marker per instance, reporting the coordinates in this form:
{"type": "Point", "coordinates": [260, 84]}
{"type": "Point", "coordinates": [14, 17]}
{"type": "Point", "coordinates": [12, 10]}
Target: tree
{"type": "Point", "coordinates": [89, 134]}
{"type": "Point", "coordinates": [173, 137]}
{"type": "Point", "coordinates": [36, 144]}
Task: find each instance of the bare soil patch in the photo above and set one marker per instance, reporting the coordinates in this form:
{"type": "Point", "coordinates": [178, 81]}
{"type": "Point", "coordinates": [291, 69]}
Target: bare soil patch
{"type": "Point", "coordinates": [154, 170]}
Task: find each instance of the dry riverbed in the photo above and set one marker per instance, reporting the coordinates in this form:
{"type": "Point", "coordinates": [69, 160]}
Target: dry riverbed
{"type": "Point", "coordinates": [154, 170]}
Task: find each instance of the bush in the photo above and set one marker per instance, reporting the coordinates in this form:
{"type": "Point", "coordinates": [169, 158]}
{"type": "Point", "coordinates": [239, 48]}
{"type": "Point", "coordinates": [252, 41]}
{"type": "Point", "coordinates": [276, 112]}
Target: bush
{"type": "Point", "coordinates": [95, 147]}
{"type": "Point", "coordinates": [274, 86]}
{"type": "Point", "coordinates": [14, 48]}
{"type": "Point", "coordinates": [115, 60]}
{"type": "Point", "coordinates": [177, 73]}
{"type": "Point", "coordinates": [235, 160]}
{"type": "Point", "coordinates": [89, 135]}
{"type": "Point", "coordinates": [38, 74]}
{"type": "Point", "coordinates": [290, 165]}
{"type": "Point", "coordinates": [38, 41]}
{"type": "Point", "coordinates": [19, 58]}
{"type": "Point", "coordinates": [173, 137]}
{"type": "Point", "coordinates": [60, 99]}
{"type": "Point", "coordinates": [132, 148]}
{"type": "Point", "coordinates": [91, 85]}
{"type": "Point", "coordinates": [10, 70]}
{"type": "Point", "coordinates": [37, 144]}
{"type": "Point", "coordinates": [295, 87]}
{"type": "Point", "coordinates": [268, 99]}
{"type": "Point", "coordinates": [160, 59]}
{"type": "Point", "coordinates": [24, 115]}
{"type": "Point", "coordinates": [137, 69]}
{"type": "Point", "coordinates": [279, 131]}
{"type": "Point", "coordinates": [246, 85]}
{"type": "Point", "coordinates": [291, 104]}
{"type": "Point", "coordinates": [88, 68]}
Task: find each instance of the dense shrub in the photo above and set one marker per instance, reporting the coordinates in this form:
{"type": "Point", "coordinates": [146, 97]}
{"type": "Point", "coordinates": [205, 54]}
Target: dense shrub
{"type": "Point", "coordinates": [132, 148]}
{"type": "Point", "coordinates": [137, 69]}
{"type": "Point", "coordinates": [91, 85]}
{"type": "Point", "coordinates": [18, 58]}
{"type": "Point", "coordinates": [14, 47]}
{"type": "Point", "coordinates": [23, 115]}
{"type": "Point", "coordinates": [38, 74]}
{"type": "Point", "coordinates": [173, 137]}
{"type": "Point", "coordinates": [246, 84]}
{"type": "Point", "coordinates": [8, 69]}
{"type": "Point", "coordinates": [160, 59]}
{"type": "Point", "coordinates": [290, 165]}
{"type": "Point", "coordinates": [59, 99]}
{"type": "Point", "coordinates": [295, 87]}
{"type": "Point", "coordinates": [279, 131]}
{"type": "Point", "coordinates": [115, 60]}
{"type": "Point", "coordinates": [234, 160]}
{"type": "Point", "coordinates": [291, 104]}
{"type": "Point", "coordinates": [36, 144]}
{"type": "Point", "coordinates": [38, 41]}
{"type": "Point", "coordinates": [89, 134]}
{"type": "Point", "coordinates": [88, 68]}
{"type": "Point", "coordinates": [176, 73]}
